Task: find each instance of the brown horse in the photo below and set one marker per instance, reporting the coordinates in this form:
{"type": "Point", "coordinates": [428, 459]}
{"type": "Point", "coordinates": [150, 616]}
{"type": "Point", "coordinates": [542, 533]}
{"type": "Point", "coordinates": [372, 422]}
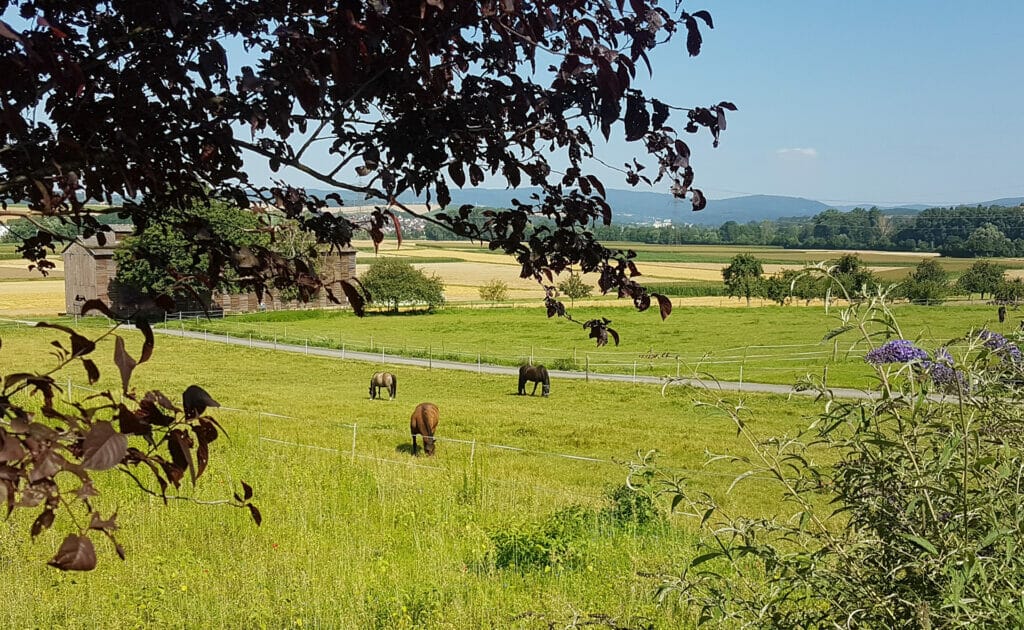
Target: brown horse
{"type": "Point", "coordinates": [423, 422]}
{"type": "Point", "coordinates": [383, 379]}
{"type": "Point", "coordinates": [536, 373]}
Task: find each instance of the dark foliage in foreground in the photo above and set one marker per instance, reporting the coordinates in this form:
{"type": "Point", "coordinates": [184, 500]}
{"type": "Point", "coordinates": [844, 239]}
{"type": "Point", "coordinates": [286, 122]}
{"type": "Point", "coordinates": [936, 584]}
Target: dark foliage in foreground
{"type": "Point", "coordinates": [156, 102]}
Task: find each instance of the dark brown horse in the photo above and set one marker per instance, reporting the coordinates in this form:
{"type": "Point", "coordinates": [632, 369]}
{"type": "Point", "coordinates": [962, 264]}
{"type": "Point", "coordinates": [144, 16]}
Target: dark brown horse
{"type": "Point", "coordinates": [383, 379]}
{"type": "Point", "coordinates": [536, 373]}
{"type": "Point", "coordinates": [424, 422]}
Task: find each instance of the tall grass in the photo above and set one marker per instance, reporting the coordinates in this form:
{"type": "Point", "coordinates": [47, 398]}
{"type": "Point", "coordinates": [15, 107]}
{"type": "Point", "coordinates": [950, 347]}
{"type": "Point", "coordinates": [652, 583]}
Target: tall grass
{"type": "Point", "coordinates": [769, 344]}
{"type": "Point", "coordinates": [381, 540]}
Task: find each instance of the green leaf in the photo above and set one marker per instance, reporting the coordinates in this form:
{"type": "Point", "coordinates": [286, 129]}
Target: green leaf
{"type": "Point", "coordinates": [705, 557]}
{"type": "Point", "coordinates": [921, 542]}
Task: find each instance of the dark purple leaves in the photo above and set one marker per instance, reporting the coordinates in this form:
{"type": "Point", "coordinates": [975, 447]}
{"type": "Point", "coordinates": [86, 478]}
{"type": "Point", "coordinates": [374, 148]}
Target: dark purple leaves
{"type": "Point", "coordinates": [698, 200]}
{"type": "Point", "coordinates": [43, 522]}
{"type": "Point", "coordinates": [75, 554]}
{"type": "Point", "coordinates": [104, 447]}
{"type": "Point", "coordinates": [600, 331]}
{"type": "Point", "coordinates": [255, 513]}
{"type": "Point", "coordinates": [92, 372]}
{"type": "Point", "coordinates": [355, 297]}
{"type": "Point", "coordinates": [664, 304]}
{"type": "Point", "coordinates": [195, 400]}
{"type": "Point", "coordinates": [124, 362]}
{"type": "Point", "coordinates": [147, 344]}
{"type": "Point", "coordinates": [80, 346]}
{"type": "Point", "coordinates": [704, 15]}
{"type": "Point", "coordinates": [637, 119]}
{"type": "Point", "coordinates": [693, 37]}
{"type": "Point", "coordinates": [180, 446]}
{"type": "Point", "coordinates": [97, 305]}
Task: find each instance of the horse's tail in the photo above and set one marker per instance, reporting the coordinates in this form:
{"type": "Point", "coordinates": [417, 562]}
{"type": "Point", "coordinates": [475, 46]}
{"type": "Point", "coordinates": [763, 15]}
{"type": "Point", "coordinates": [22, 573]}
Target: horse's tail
{"type": "Point", "coordinates": [394, 385]}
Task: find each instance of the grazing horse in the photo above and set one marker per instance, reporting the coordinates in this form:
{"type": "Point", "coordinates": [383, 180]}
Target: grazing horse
{"type": "Point", "coordinates": [536, 373]}
{"type": "Point", "coordinates": [1002, 314]}
{"type": "Point", "coordinates": [383, 379]}
{"type": "Point", "coordinates": [424, 422]}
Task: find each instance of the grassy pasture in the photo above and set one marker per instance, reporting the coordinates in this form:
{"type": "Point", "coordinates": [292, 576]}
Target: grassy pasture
{"type": "Point", "coordinates": [768, 344]}
{"type": "Point", "coordinates": [391, 542]}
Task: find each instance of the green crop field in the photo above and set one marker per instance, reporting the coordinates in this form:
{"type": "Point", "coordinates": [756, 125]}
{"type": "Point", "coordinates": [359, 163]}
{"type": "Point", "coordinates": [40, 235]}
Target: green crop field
{"type": "Point", "coordinates": [769, 344]}
{"type": "Point", "coordinates": [359, 534]}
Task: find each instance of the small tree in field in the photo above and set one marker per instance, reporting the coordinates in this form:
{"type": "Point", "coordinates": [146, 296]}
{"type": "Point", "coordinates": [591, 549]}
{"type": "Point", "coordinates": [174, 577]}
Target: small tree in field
{"type": "Point", "coordinates": [395, 282]}
{"type": "Point", "coordinates": [494, 291]}
{"type": "Point", "coordinates": [928, 284]}
{"type": "Point", "coordinates": [574, 288]}
{"type": "Point", "coordinates": [982, 277]}
{"type": "Point", "coordinates": [743, 276]}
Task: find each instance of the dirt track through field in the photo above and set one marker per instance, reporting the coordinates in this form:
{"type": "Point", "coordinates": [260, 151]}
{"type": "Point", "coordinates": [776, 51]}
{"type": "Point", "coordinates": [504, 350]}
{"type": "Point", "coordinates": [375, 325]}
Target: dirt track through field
{"type": "Point", "coordinates": [484, 368]}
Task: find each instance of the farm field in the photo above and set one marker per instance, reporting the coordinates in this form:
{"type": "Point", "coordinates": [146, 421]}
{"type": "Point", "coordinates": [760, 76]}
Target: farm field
{"type": "Point", "coordinates": [464, 267]}
{"type": "Point", "coordinates": [769, 344]}
{"type": "Point", "coordinates": [371, 537]}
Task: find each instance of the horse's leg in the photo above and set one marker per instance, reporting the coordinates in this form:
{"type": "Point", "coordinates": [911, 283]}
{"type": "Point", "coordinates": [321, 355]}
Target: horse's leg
{"type": "Point", "coordinates": [413, 443]}
{"type": "Point", "coordinates": [535, 384]}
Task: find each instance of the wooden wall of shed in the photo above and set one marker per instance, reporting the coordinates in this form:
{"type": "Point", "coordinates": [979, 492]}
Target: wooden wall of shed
{"type": "Point", "coordinates": [90, 275]}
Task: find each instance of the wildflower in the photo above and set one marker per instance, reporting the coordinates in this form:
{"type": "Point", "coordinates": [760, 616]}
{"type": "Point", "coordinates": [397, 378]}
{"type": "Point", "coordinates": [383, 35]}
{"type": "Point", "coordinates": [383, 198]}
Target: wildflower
{"type": "Point", "coordinates": [942, 372]}
{"type": "Point", "coordinates": [1000, 345]}
{"type": "Point", "coordinates": [895, 351]}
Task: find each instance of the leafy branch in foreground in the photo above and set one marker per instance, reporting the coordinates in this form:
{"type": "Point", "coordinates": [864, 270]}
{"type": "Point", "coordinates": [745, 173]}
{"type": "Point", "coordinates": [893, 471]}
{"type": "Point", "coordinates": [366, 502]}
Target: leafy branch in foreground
{"type": "Point", "coordinates": [50, 449]}
{"type": "Point", "coordinates": [906, 505]}
{"type": "Point", "coordinates": [382, 102]}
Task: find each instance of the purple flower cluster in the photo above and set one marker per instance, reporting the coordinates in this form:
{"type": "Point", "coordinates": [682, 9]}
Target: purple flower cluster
{"type": "Point", "coordinates": [895, 351]}
{"type": "Point", "coordinates": [942, 372]}
{"type": "Point", "coordinates": [1000, 345]}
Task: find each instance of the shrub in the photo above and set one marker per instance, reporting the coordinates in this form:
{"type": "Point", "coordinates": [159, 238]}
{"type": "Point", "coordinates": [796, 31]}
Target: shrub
{"type": "Point", "coordinates": [630, 506]}
{"type": "Point", "coordinates": [494, 291]}
{"type": "Point", "coordinates": [559, 541]}
{"type": "Point", "coordinates": [914, 521]}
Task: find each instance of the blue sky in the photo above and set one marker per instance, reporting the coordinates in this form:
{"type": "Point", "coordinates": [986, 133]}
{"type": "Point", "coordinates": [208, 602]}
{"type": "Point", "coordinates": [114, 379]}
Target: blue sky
{"type": "Point", "coordinates": [867, 102]}
{"type": "Point", "coordinates": [854, 102]}
{"type": "Point", "coordinates": [864, 102]}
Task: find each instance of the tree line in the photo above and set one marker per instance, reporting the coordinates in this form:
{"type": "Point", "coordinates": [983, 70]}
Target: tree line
{"type": "Point", "coordinates": [849, 277]}
{"type": "Point", "coordinates": [964, 232]}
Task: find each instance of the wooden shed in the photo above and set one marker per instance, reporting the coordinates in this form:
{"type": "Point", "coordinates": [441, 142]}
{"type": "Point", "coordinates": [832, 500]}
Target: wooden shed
{"type": "Point", "coordinates": [90, 271]}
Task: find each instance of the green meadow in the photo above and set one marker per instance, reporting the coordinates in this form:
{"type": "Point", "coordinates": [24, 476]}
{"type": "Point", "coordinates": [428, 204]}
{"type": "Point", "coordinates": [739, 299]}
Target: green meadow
{"type": "Point", "coordinates": [769, 344]}
{"type": "Point", "coordinates": [357, 532]}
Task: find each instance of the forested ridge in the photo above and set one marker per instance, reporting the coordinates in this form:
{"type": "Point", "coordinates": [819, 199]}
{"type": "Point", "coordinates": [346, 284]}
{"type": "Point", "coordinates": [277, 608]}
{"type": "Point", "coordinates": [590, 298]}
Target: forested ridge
{"type": "Point", "coordinates": [962, 231]}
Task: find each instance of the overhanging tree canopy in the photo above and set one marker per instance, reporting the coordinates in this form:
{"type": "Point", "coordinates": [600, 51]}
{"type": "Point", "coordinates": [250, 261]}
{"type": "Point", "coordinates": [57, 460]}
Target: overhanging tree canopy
{"type": "Point", "coordinates": [156, 102]}
{"type": "Point", "coordinates": [146, 102]}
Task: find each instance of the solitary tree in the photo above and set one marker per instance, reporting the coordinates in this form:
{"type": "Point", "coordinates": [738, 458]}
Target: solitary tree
{"type": "Point", "coordinates": [982, 277]}
{"type": "Point", "coordinates": [574, 288]}
{"type": "Point", "coordinates": [743, 276]}
{"type": "Point", "coordinates": [494, 291]}
{"type": "Point", "coordinates": [927, 284]}
{"type": "Point", "coordinates": [394, 282]}
{"type": "Point", "coordinates": [165, 105]}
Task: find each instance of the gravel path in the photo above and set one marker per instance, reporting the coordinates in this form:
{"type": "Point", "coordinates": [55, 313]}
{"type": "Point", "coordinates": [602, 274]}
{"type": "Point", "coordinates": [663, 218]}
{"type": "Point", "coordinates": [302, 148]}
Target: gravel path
{"type": "Point", "coordinates": [486, 368]}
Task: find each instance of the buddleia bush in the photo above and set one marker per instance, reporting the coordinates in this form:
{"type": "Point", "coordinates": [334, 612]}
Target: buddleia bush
{"type": "Point", "coordinates": [903, 509]}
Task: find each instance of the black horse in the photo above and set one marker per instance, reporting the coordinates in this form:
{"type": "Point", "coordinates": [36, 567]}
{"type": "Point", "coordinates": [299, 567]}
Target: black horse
{"type": "Point", "coordinates": [536, 373]}
{"type": "Point", "coordinates": [383, 379]}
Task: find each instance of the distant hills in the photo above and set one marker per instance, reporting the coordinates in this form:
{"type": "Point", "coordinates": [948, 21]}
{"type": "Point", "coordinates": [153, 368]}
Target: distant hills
{"type": "Point", "coordinates": [632, 206]}
{"type": "Point", "coordinates": [645, 207]}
